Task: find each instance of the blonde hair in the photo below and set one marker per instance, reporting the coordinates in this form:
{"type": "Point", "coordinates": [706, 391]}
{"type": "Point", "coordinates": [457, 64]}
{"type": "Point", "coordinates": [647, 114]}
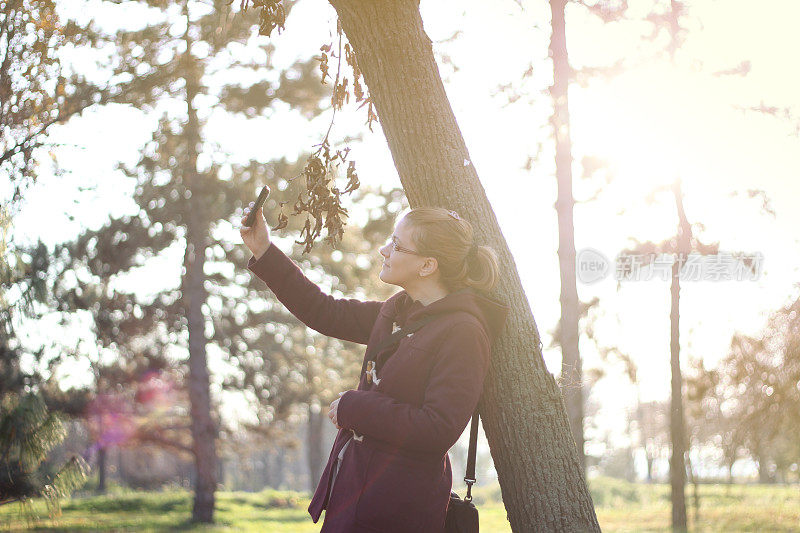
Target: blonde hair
{"type": "Point", "coordinates": [443, 234]}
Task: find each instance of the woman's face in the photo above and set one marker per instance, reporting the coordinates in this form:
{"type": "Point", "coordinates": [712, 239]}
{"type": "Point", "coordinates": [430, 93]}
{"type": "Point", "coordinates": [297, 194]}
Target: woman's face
{"type": "Point", "coordinates": [399, 267]}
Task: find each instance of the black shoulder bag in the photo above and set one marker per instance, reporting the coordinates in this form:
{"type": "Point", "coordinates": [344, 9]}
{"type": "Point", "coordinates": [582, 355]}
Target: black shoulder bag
{"type": "Point", "coordinates": [462, 515]}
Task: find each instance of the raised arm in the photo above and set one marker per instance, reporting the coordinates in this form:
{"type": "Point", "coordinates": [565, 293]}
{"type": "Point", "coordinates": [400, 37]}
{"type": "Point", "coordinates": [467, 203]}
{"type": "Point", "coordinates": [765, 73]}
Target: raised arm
{"type": "Point", "coordinates": [344, 318]}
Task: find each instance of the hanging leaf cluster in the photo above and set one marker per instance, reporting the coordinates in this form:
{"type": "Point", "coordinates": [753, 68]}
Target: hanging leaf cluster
{"type": "Point", "coordinates": [272, 15]}
{"type": "Point", "coordinates": [341, 85]}
{"type": "Point", "coordinates": [321, 198]}
{"type": "Point", "coordinates": [358, 89]}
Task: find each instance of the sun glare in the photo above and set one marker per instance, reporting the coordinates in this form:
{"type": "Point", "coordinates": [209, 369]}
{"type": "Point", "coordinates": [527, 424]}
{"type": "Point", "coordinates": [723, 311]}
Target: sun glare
{"type": "Point", "coordinates": [651, 126]}
{"type": "Point", "coordinates": [642, 124]}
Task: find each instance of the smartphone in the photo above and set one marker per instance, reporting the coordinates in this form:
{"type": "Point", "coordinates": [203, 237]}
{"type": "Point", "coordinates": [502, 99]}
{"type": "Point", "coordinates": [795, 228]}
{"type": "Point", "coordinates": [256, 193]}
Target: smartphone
{"type": "Point", "coordinates": [262, 197]}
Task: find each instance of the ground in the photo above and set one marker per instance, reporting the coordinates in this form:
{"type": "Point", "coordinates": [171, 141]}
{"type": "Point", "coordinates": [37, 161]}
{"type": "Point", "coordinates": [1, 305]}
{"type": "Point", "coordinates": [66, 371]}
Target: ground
{"type": "Point", "coordinates": [621, 506]}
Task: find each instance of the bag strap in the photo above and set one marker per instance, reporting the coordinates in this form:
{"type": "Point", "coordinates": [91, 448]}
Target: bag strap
{"type": "Point", "coordinates": [469, 479]}
{"type": "Point", "coordinates": [395, 337]}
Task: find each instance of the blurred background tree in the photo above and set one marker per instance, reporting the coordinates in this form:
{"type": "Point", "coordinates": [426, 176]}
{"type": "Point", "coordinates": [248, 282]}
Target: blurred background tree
{"type": "Point", "coordinates": [37, 91]}
{"type": "Point", "coordinates": [188, 195]}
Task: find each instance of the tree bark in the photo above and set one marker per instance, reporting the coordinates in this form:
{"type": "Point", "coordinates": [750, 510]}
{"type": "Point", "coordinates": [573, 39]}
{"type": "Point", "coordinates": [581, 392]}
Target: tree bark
{"type": "Point", "coordinates": [571, 366]}
{"type": "Point", "coordinates": [194, 294]}
{"type": "Point", "coordinates": [316, 418]}
{"type": "Point", "coordinates": [541, 480]}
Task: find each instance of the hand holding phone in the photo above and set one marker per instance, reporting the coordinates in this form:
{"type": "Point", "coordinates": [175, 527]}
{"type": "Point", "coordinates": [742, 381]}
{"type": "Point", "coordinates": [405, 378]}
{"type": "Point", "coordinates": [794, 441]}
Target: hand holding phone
{"type": "Point", "coordinates": [254, 231]}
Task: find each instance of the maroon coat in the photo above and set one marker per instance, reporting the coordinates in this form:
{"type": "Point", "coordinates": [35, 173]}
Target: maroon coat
{"type": "Point", "coordinates": [397, 477]}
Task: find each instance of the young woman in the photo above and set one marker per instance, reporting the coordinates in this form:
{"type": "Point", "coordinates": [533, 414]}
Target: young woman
{"type": "Point", "coordinates": [389, 470]}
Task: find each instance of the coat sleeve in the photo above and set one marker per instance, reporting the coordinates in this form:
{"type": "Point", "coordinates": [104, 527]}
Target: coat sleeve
{"type": "Point", "coordinates": [453, 391]}
{"type": "Point", "coordinates": [344, 318]}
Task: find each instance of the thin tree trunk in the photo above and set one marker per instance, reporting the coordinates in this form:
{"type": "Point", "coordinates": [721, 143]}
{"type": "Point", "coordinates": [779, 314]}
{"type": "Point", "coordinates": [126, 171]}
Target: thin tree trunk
{"type": "Point", "coordinates": [571, 367]}
{"type": "Point", "coordinates": [271, 468]}
{"type": "Point", "coordinates": [677, 468]}
{"type": "Point", "coordinates": [675, 10]}
{"type": "Point", "coordinates": [120, 467]}
{"type": "Point", "coordinates": [730, 458]}
{"type": "Point", "coordinates": [203, 428]}
{"type": "Point", "coordinates": [695, 487]}
{"type": "Point", "coordinates": [642, 438]}
{"type": "Point", "coordinates": [316, 420]}
{"type": "Point", "coordinates": [280, 467]}
{"type": "Point", "coordinates": [763, 470]}
{"type": "Point", "coordinates": [677, 463]}
{"type": "Point", "coordinates": [541, 479]}
{"type": "Point", "coordinates": [101, 470]}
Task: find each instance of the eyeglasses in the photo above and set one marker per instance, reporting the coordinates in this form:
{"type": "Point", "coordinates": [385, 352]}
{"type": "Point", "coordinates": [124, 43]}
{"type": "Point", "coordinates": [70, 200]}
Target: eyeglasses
{"type": "Point", "coordinates": [397, 248]}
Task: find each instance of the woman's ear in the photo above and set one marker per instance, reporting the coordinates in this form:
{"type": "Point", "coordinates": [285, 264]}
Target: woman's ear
{"type": "Point", "coordinates": [429, 267]}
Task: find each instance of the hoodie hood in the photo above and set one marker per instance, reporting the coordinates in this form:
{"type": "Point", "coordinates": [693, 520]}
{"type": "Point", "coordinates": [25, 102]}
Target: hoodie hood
{"type": "Point", "coordinates": [491, 314]}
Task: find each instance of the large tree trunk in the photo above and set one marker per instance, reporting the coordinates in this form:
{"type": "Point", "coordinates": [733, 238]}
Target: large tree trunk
{"type": "Point", "coordinates": [541, 480]}
{"type": "Point", "coordinates": [194, 294]}
{"type": "Point", "coordinates": [571, 371]}
{"type": "Point", "coordinates": [316, 419]}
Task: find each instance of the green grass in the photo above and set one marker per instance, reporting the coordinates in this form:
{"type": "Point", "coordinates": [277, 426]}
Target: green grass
{"type": "Point", "coordinates": [269, 510]}
{"type": "Point", "coordinates": [624, 507]}
{"type": "Point", "coordinates": [620, 506]}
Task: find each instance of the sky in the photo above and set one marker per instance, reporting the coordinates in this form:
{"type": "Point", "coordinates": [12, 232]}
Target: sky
{"type": "Point", "coordinates": [659, 120]}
